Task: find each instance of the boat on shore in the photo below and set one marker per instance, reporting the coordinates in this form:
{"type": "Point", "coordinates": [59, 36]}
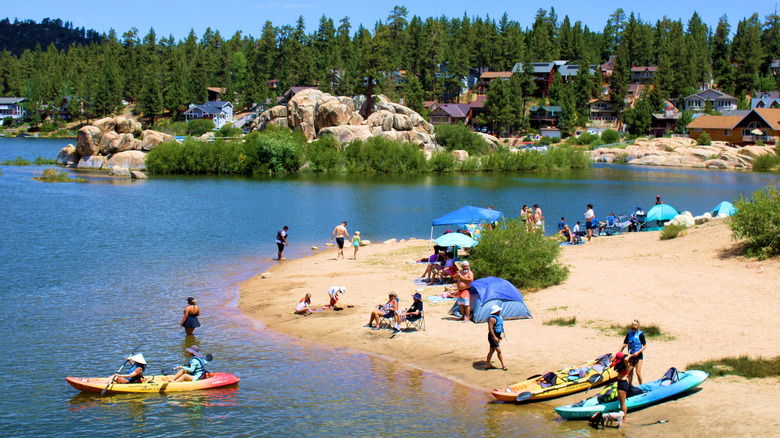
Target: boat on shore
{"type": "Point", "coordinates": [151, 384]}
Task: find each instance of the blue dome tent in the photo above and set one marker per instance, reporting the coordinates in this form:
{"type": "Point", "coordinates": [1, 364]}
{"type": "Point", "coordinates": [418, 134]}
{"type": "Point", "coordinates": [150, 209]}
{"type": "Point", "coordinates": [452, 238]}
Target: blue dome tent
{"type": "Point", "coordinates": [490, 291]}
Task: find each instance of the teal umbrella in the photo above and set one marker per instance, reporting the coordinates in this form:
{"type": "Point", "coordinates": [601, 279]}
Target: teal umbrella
{"type": "Point", "coordinates": [725, 208]}
{"type": "Point", "coordinates": [455, 239]}
{"type": "Point", "coordinates": [661, 212]}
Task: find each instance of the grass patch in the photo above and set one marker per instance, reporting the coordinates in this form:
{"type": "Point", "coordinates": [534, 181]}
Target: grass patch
{"type": "Point", "coordinates": [621, 158]}
{"type": "Point", "coordinates": [53, 176]}
{"type": "Point", "coordinates": [563, 322]}
{"type": "Point", "coordinates": [19, 161]}
{"type": "Point", "coordinates": [766, 162]}
{"type": "Point", "coordinates": [553, 309]}
{"type": "Point", "coordinates": [673, 231]}
{"type": "Point", "coordinates": [739, 366]}
{"type": "Point", "coordinates": [651, 331]}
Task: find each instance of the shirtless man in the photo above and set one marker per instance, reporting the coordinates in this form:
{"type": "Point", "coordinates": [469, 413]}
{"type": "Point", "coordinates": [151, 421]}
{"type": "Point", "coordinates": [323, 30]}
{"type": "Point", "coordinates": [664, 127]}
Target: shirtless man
{"type": "Point", "coordinates": [340, 232]}
{"type": "Point", "coordinates": [463, 279]}
{"type": "Point", "coordinates": [538, 218]}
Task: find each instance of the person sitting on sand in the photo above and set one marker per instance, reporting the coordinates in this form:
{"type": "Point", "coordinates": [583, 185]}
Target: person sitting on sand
{"type": "Point", "coordinates": [446, 270]}
{"type": "Point", "coordinates": [463, 279]}
{"type": "Point", "coordinates": [610, 218]}
{"type": "Point", "coordinates": [135, 373]}
{"type": "Point", "coordinates": [302, 308]}
{"type": "Point", "coordinates": [414, 312]}
{"type": "Point", "coordinates": [433, 261]}
{"type": "Point", "coordinates": [194, 369]}
{"type": "Point", "coordinates": [388, 310]}
{"type": "Point", "coordinates": [495, 333]}
{"type": "Point", "coordinates": [565, 231]}
{"type": "Point", "coordinates": [333, 293]}
{"type": "Point", "coordinates": [635, 341]}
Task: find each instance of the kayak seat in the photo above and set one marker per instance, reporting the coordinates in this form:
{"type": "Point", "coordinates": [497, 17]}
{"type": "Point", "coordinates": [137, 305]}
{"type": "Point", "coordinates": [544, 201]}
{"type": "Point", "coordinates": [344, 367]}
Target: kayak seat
{"type": "Point", "coordinates": [671, 376]}
{"type": "Point", "coordinates": [548, 380]}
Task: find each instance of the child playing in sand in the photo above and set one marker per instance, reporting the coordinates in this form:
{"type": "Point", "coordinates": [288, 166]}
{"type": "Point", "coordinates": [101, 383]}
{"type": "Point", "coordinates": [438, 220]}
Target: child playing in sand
{"type": "Point", "coordinates": [302, 308]}
{"type": "Point", "coordinates": [356, 243]}
{"type": "Point", "coordinates": [333, 293]}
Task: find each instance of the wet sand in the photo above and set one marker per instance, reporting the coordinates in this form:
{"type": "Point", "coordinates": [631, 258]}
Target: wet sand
{"type": "Point", "coordinates": [708, 302]}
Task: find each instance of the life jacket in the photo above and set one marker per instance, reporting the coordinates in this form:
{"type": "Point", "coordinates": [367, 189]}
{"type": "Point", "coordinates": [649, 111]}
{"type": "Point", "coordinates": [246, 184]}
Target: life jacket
{"type": "Point", "coordinates": [634, 344]}
{"type": "Point", "coordinates": [137, 378]}
{"type": "Point", "coordinates": [608, 394]}
{"type": "Point", "coordinates": [499, 325]}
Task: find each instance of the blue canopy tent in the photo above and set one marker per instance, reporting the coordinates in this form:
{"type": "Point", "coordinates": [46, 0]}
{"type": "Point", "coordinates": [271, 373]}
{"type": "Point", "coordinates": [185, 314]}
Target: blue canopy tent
{"type": "Point", "coordinates": [725, 208]}
{"type": "Point", "coordinates": [488, 291]}
{"type": "Point", "coordinates": [467, 215]}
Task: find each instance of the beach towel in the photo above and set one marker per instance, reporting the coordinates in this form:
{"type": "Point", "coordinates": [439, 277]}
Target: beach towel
{"type": "Point", "coordinates": [421, 282]}
{"type": "Point", "coordinates": [435, 299]}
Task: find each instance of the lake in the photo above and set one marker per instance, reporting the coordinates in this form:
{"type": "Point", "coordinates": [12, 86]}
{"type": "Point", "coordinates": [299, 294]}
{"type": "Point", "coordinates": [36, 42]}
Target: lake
{"type": "Point", "coordinates": [92, 270]}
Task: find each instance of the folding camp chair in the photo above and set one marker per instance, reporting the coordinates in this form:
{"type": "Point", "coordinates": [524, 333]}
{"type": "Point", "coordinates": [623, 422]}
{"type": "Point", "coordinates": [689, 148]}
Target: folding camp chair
{"type": "Point", "coordinates": [417, 323]}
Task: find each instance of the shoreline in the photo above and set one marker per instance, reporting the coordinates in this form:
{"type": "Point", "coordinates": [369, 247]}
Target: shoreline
{"type": "Point", "coordinates": [682, 284]}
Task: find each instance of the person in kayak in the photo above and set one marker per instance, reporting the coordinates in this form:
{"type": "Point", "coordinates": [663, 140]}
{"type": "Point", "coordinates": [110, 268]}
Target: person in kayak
{"type": "Point", "coordinates": [495, 333]}
{"type": "Point", "coordinates": [194, 370]}
{"type": "Point", "coordinates": [635, 341]}
{"type": "Point", "coordinates": [135, 373]}
{"type": "Point", "coordinates": [624, 366]}
{"type": "Point", "coordinates": [190, 320]}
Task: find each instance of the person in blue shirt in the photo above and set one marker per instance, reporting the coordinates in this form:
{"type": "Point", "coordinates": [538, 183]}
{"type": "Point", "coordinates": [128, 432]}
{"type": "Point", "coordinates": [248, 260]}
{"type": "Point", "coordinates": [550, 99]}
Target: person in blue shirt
{"type": "Point", "coordinates": [136, 372]}
{"type": "Point", "coordinates": [193, 370]}
{"type": "Point", "coordinates": [636, 344]}
{"type": "Point", "coordinates": [495, 333]}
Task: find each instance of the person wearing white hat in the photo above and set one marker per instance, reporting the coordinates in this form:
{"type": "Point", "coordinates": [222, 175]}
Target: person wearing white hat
{"type": "Point", "coordinates": [136, 372]}
{"type": "Point", "coordinates": [333, 293]}
{"type": "Point", "coordinates": [495, 333]}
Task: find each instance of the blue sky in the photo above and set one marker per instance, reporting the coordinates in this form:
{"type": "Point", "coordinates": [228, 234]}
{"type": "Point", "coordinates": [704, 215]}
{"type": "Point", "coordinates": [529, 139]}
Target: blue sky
{"type": "Point", "coordinates": [177, 17]}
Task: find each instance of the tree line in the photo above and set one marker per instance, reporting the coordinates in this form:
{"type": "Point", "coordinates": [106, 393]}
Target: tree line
{"type": "Point", "coordinates": [437, 54]}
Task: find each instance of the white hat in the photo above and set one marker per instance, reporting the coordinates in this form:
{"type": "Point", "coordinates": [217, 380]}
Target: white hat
{"type": "Point", "coordinates": [137, 358]}
{"type": "Point", "coordinates": [495, 309]}
{"type": "Point", "coordinates": [465, 263]}
{"type": "Point", "coordinates": [343, 289]}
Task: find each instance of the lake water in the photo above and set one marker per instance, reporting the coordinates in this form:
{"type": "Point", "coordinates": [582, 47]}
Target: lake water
{"type": "Point", "coordinates": [89, 271]}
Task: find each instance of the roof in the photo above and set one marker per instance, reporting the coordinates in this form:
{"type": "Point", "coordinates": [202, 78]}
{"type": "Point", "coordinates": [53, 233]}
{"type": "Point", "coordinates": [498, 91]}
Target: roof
{"type": "Point", "coordinates": [10, 100]}
{"type": "Point", "coordinates": [771, 116]}
{"type": "Point", "coordinates": [664, 116]}
{"type": "Point", "coordinates": [211, 107]}
{"type": "Point", "coordinates": [495, 74]}
{"type": "Point", "coordinates": [715, 122]}
{"type": "Point", "coordinates": [741, 113]}
{"type": "Point", "coordinates": [539, 67]}
{"type": "Point", "coordinates": [458, 110]}
{"type": "Point", "coordinates": [719, 94]}
{"type": "Point", "coordinates": [638, 69]}
{"type": "Point", "coordinates": [479, 102]}
{"type": "Point", "coordinates": [216, 89]}
{"type": "Point", "coordinates": [549, 108]}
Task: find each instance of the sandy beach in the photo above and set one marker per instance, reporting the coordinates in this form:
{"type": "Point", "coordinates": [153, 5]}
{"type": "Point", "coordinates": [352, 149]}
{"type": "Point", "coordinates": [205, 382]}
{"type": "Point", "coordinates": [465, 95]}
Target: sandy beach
{"type": "Point", "coordinates": [708, 301]}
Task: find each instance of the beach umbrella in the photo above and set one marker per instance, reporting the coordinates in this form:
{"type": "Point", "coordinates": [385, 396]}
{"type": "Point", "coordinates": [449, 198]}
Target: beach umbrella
{"type": "Point", "coordinates": [661, 212]}
{"type": "Point", "coordinates": [725, 208]}
{"type": "Point", "coordinates": [455, 239]}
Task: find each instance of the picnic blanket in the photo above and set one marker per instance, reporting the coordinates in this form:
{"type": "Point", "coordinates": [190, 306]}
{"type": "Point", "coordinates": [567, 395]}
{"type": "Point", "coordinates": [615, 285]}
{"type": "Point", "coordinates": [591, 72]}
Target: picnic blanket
{"type": "Point", "coordinates": [441, 298]}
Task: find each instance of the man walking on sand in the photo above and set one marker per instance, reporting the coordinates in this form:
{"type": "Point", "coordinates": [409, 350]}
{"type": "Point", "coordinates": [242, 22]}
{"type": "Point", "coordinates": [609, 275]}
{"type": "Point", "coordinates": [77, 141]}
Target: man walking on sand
{"type": "Point", "coordinates": [464, 277]}
{"type": "Point", "coordinates": [340, 232]}
{"type": "Point", "coordinates": [281, 241]}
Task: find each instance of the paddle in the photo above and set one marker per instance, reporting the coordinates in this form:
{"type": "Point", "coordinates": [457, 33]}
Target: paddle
{"type": "Point", "coordinates": [594, 379]}
{"type": "Point", "coordinates": [119, 370]}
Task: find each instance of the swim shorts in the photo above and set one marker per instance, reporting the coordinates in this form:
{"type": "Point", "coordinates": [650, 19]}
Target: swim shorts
{"type": "Point", "coordinates": [340, 242]}
{"type": "Point", "coordinates": [463, 301]}
{"type": "Point", "coordinates": [623, 385]}
{"type": "Point", "coordinates": [280, 246]}
{"type": "Point", "coordinates": [492, 342]}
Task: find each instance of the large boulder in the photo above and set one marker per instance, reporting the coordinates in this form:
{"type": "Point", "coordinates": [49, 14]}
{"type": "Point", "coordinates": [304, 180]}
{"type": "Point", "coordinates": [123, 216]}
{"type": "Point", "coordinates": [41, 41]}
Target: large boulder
{"type": "Point", "coordinates": [92, 162]}
{"type": "Point", "coordinates": [131, 160]}
{"type": "Point", "coordinates": [153, 138]}
{"type": "Point", "coordinates": [716, 164]}
{"type": "Point", "coordinates": [121, 172]}
{"type": "Point", "coordinates": [460, 155]}
{"type": "Point", "coordinates": [105, 141]}
{"type": "Point", "coordinates": [88, 140]}
{"type": "Point", "coordinates": [68, 156]}
{"type": "Point", "coordinates": [105, 125]}
{"type": "Point", "coordinates": [347, 133]}
{"type": "Point", "coordinates": [122, 125]}
{"type": "Point", "coordinates": [682, 219]}
{"type": "Point", "coordinates": [336, 113]}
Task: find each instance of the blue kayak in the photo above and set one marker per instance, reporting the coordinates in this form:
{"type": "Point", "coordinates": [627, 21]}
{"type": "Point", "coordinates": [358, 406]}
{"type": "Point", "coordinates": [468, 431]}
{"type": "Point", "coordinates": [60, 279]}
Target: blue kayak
{"type": "Point", "coordinates": [672, 384]}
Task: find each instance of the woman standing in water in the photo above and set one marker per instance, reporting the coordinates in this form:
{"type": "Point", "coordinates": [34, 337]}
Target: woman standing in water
{"type": "Point", "coordinates": [190, 320]}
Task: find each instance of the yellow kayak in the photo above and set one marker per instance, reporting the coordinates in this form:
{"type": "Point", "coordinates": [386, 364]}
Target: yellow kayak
{"type": "Point", "coordinates": [151, 384]}
{"type": "Point", "coordinates": [559, 383]}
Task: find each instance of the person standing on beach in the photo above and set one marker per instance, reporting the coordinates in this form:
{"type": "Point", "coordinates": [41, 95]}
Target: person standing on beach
{"type": "Point", "coordinates": [636, 343]}
{"type": "Point", "coordinates": [590, 221]}
{"type": "Point", "coordinates": [281, 241]}
{"type": "Point", "coordinates": [464, 277]}
{"type": "Point", "coordinates": [495, 333]}
{"type": "Point", "coordinates": [538, 218]}
{"type": "Point", "coordinates": [356, 244]}
{"type": "Point", "coordinates": [190, 320]}
{"type": "Point", "coordinates": [340, 232]}
{"type": "Point", "coordinates": [333, 294]}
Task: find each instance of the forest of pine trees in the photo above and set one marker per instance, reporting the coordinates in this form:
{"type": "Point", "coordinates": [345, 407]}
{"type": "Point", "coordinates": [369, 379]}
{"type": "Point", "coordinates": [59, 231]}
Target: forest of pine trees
{"type": "Point", "coordinates": [162, 75]}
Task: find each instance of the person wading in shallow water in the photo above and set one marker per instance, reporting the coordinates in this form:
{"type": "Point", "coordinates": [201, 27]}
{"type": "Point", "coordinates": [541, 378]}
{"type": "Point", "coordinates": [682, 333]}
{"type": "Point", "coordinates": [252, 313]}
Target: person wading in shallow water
{"type": "Point", "coordinates": [281, 241]}
{"type": "Point", "coordinates": [340, 232]}
{"type": "Point", "coordinates": [190, 320]}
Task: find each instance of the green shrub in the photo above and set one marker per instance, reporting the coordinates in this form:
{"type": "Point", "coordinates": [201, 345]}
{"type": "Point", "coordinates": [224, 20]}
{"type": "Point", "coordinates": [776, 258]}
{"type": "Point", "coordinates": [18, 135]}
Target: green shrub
{"type": "Point", "coordinates": [442, 162]}
{"type": "Point", "coordinates": [460, 137]}
{"type": "Point", "coordinates": [381, 155]}
{"type": "Point", "coordinates": [704, 139]}
{"type": "Point", "coordinates": [472, 164]}
{"type": "Point", "coordinates": [758, 221]}
{"type": "Point", "coordinates": [651, 330]}
{"type": "Point", "coordinates": [53, 176]}
{"type": "Point", "coordinates": [8, 121]}
{"type": "Point", "coordinates": [563, 322]}
{"type": "Point", "coordinates": [229, 131]}
{"type": "Point", "coordinates": [759, 142]}
{"type": "Point", "coordinates": [545, 141]}
{"type": "Point", "coordinates": [621, 158]}
{"type": "Point", "coordinates": [323, 154]}
{"type": "Point", "coordinates": [739, 366]}
{"type": "Point", "coordinates": [48, 127]}
{"type": "Point", "coordinates": [168, 126]}
{"type": "Point", "coordinates": [18, 161]}
{"type": "Point", "coordinates": [610, 136]}
{"type": "Point", "coordinates": [555, 158]}
{"type": "Point", "coordinates": [586, 138]}
{"type": "Point", "coordinates": [596, 143]}
{"type": "Point", "coordinates": [199, 127]}
{"type": "Point", "coordinates": [673, 231]}
{"type": "Point", "coordinates": [766, 162]}
{"type": "Point", "coordinates": [527, 259]}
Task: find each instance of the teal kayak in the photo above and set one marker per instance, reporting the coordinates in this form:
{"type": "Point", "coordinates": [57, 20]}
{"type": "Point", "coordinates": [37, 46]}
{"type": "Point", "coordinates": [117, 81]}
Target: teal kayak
{"type": "Point", "coordinates": [672, 384]}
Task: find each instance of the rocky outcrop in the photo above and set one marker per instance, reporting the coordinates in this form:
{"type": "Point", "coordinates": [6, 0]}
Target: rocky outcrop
{"type": "Point", "coordinates": [112, 142]}
{"type": "Point", "coordinates": [317, 114]}
{"type": "Point", "coordinates": [683, 152]}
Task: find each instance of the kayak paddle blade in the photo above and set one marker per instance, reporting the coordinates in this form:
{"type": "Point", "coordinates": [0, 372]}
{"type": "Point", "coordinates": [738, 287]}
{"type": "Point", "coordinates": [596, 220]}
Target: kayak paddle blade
{"type": "Point", "coordinates": [595, 378]}
{"type": "Point", "coordinates": [523, 396]}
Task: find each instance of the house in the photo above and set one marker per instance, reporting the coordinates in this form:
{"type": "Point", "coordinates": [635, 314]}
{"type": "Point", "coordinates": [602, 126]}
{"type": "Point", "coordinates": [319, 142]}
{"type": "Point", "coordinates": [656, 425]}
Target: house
{"type": "Point", "coordinates": [642, 75]}
{"type": "Point", "coordinates": [607, 67]}
{"type": "Point", "coordinates": [774, 66]}
{"type": "Point", "coordinates": [273, 84]}
{"type": "Point", "coordinates": [766, 99]}
{"type": "Point", "coordinates": [759, 124]}
{"type": "Point", "coordinates": [544, 75]}
{"type": "Point", "coordinates": [449, 113]}
{"type": "Point", "coordinates": [215, 93]}
{"type": "Point", "coordinates": [720, 101]}
{"type": "Point", "coordinates": [603, 111]}
{"type": "Point", "coordinates": [476, 108]}
{"type": "Point", "coordinates": [569, 71]}
{"type": "Point", "coordinates": [489, 76]}
{"type": "Point", "coordinates": [544, 116]}
{"type": "Point", "coordinates": [550, 132]}
{"type": "Point", "coordinates": [665, 122]}
{"type": "Point", "coordinates": [218, 111]}
{"type": "Point", "coordinates": [11, 107]}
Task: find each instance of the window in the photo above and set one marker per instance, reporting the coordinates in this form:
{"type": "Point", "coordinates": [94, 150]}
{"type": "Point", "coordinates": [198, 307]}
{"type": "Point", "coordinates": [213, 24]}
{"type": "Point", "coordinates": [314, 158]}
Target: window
{"type": "Point", "coordinates": [727, 132]}
{"type": "Point", "coordinates": [695, 103]}
{"type": "Point", "coordinates": [696, 129]}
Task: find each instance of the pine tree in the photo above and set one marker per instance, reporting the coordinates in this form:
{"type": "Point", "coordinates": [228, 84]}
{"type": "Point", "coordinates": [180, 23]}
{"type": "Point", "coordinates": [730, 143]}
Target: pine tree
{"type": "Point", "coordinates": [747, 53]}
{"type": "Point", "coordinates": [175, 96]}
{"type": "Point", "coordinates": [639, 118]}
{"type": "Point", "coordinates": [721, 57]}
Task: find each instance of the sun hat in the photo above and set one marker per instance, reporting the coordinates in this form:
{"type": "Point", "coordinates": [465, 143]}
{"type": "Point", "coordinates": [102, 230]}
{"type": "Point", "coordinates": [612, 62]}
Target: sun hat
{"type": "Point", "coordinates": [195, 351]}
{"type": "Point", "coordinates": [392, 293]}
{"type": "Point", "coordinates": [357, 233]}
{"type": "Point", "coordinates": [417, 296]}
{"type": "Point", "coordinates": [620, 356]}
{"type": "Point", "coordinates": [343, 289]}
{"type": "Point", "coordinates": [137, 358]}
{"type": "Point", "coordinates": [657, 196]}
{"type": "Point", "coordinates": [495, 309]}
{"type": "Point", "coordinates": [465, 263]}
